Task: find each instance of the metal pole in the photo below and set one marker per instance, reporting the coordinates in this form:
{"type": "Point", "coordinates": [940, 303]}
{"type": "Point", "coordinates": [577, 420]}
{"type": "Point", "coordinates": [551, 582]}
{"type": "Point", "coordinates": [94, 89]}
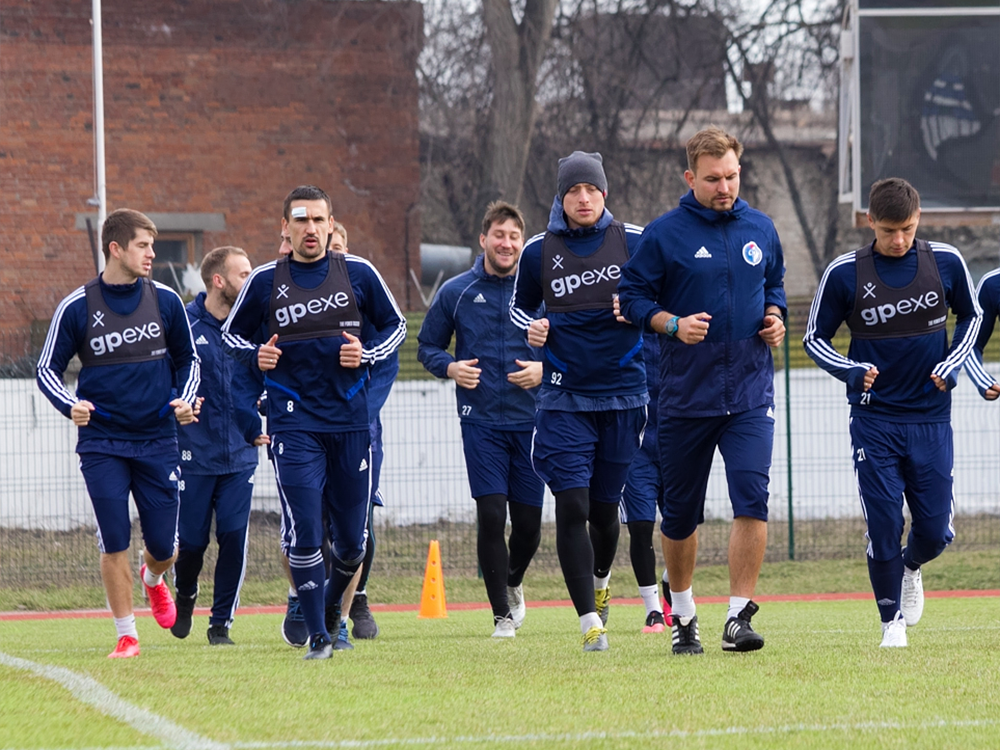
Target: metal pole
{"type": "Point", "coordinates": [102, 198]}
{"type": "Point", "coordinates": [788, 443]}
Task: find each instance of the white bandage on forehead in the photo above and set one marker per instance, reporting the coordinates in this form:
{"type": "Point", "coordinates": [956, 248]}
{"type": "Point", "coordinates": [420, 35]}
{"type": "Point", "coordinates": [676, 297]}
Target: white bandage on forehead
{"type": "Point", "coordinates": [299, 212]}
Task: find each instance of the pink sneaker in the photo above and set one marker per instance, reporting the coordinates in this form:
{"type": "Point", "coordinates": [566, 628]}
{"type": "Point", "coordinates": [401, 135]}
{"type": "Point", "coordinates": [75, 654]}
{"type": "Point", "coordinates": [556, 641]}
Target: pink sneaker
{"type": "Point", "coordinates": [127, 647]}
{"type": "Point", "coordinates": [654, 623]}
{"type": "Point", "coordinates": [160, 601]}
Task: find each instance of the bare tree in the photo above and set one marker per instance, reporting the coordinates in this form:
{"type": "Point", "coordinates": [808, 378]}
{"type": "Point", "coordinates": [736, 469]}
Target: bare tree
{"type": "Point", "coordinates": [517, 51]}
{"type": "Point", "coordinates": [789, 48]}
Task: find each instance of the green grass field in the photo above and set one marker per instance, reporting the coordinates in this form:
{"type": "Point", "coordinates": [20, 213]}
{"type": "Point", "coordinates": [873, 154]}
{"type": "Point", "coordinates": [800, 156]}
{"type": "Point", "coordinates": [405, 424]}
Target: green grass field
{"type": "Point", "coordinates": [820, 682]}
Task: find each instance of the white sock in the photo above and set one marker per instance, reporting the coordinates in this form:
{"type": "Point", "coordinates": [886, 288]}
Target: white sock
{"type": "Point", "coordinates": [601, 583]}
{"type": "Point", "coordinates": [293, 592]}
{"type": "Point", "coordinates": [150, 579]}
{"type": "Point", "coordinates": [650, 597]}
{"type": "Point", "coordinates": [126, 626]}
{"type": "Point", "coordinates": [910, 573]}
{"type": "Point", "coordinates": [665, 579]}
{"type": "Point", "coordinates": [682, 603]}
{"type": "Point", "coordinates": [588, 621]}
{"type": "Point", "coordinates": [736, 605]}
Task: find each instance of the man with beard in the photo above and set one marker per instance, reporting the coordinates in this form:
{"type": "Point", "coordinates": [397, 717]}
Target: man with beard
{"type": "Point", "coordinates": [218, 454]}
{"type": "Point", "coordinates": [317, 306]}
{"type": "Point", "coordinates": [497, 376]}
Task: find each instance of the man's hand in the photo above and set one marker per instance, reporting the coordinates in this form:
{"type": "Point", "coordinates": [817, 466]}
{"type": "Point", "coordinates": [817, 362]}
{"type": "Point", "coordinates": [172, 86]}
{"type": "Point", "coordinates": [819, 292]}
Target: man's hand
{"type": "Point", "coordinates": [693, 329]}
{"type": "Point", "coordinates": [261, 440]}
{"type": "Point", "coordinates": [197, 405]}
{"type": "Point", "coordinates": [773, 331]}
{"type": "Point", "coordinates": [528, 376]}
{"type": "Point", "coordinates": [992, 393]}
{"type": "Point", "coordinates": [268, 354]}
{"type": "Point", "coordinates": [870, 378]}
{"type": "Point", "coordinates": [538, 332]}
{"type": "Point", "coordinates": [80, 413]}
{"type": "Point", "coordinates": [618, 311]}
{"type": "Point", "coordinates": [939, 383]}
{"type": "Point", "coordinates": [350, 352]}
{"type": "Point", "coordinates": [183, 411]}
{"type": "Point", "coordinates": [465, 373]}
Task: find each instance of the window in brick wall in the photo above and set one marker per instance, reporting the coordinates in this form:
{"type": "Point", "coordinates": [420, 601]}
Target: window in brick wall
{"type": "Point", "coordinates": [175, 252]}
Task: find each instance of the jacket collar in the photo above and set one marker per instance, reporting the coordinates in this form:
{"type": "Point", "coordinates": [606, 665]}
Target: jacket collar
{"type": "Point", "coordinates": [196, 308]}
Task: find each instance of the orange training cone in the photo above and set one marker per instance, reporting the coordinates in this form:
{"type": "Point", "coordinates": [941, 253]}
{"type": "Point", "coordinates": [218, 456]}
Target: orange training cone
{"type": "Point", "coordinates": [432, 598]}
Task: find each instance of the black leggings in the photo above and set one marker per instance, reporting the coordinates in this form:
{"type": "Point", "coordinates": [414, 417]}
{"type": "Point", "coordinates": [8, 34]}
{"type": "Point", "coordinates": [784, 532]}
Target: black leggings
{"type": "Point", "coordinates": [583, 554]}
{"type": "Point", "coordinates": [499, 569]}
{"type": "Point", "coordinates": [641, 551]}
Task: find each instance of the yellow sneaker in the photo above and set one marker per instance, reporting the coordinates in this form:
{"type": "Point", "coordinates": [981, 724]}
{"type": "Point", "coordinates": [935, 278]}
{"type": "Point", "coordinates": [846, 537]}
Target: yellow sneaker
{"type": "Point", "coordinates": [602, 598]}
{"type": "Point", "coordinates": [595, 639]}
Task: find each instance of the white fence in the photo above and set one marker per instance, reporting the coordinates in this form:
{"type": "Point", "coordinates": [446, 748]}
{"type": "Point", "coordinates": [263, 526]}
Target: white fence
{"type": "Point", "coordinates": [424, 478]}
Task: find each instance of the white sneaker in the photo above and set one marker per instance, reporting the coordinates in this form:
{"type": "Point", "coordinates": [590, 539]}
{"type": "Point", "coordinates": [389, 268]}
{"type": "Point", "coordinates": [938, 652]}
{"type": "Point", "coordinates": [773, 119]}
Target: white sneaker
{"type": "Point", "coordinates": [894, 633]}
{"type": "Point", "coordinates": [912, 604]}
{"type": "Point", "coordinates": [507, 629]}
{"type": "Point", "coordinates": [515, 599]}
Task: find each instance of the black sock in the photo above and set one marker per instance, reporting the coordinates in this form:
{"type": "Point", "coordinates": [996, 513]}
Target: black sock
{"type": "Point", "coordinates": [187, 568]}
{"type": "Point", "coordinates": [576, 555]}
{"type": "Point", "coordinates": [525, 536]}
{"type": "Point", "coordinates": [604, 531]}
{"type": "Point", "coordinates": [492, 550]}
{"type": "Point", "coordinates": [642, 553]}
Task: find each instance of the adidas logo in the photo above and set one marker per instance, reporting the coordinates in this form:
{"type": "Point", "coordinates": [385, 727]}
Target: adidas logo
{"type": "Point", "coordinates": [885, 602]}
{"type": "Point", "coordinates": [172, 477]}
{"type": "Point", "coordinates": [364, 465]}
{"type": "Point", "coordinates": [702, 253]}
{"type": "Point", "coordinates": [308, 586]}
{"type": "Point", "coordinates": [250, 480]}
{"type": "Point", "coordinates": [201, 340]}
{"type": "Point", "coordinates": [480, 299]}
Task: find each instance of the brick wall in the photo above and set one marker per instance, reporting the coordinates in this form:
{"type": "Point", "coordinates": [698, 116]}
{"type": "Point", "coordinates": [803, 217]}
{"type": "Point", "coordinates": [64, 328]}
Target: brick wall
{"type": "Point", "coordinates": [211, 106]}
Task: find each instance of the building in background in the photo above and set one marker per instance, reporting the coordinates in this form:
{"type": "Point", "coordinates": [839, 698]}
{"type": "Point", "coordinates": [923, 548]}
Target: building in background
{"type": "Point", "coordinates": [214, 110]}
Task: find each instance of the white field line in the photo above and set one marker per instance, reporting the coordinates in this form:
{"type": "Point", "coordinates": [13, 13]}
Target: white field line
{"type": "Point", "coordinates": [500, 739]}
{"type": "Point", "coordinates": [87, 690]}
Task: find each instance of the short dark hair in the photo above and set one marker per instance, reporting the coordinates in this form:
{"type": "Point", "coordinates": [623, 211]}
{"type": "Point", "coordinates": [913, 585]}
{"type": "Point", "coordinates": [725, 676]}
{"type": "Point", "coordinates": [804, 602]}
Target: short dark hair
{"type": "Point", "coordinates": [500, 211]}
{"type": "Point", "coordinates": [712, 141]}
{"type": "Point", "coordinates": [893, 199]}
{"type": "Point", "coordinates": [214, 262]}
{"type": "Point", "coordinates": [306, 193]}
{"type": "Point", "coordinates": [120, 226]}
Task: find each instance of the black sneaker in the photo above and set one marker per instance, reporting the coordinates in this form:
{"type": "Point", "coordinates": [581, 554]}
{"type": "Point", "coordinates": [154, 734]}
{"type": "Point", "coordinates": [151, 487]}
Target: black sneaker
{"type": "Point", "coordinates": [685, 636]}
{"type": "Point", "coordinates": [320, 647]}
{"type": "Point", "coordinates": [666, 595]}
{"type": "Point", "coordinates": [185, 610]}
{"type": "Point", "coordinates": [738, 635]}
{"type": "Point", "coordinates": [365, 627]}
{"type": "Point", "coordinates": [218, 635]}
{"type": "Point", "coordinates": [293, 627]}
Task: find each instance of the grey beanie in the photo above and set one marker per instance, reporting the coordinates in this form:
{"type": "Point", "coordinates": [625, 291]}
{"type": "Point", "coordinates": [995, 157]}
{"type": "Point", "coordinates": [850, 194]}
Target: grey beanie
{"type": "Point", "coordinates": [581, 167]}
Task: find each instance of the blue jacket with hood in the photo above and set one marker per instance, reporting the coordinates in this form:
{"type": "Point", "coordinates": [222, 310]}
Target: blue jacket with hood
{"type": "Point", "coordinates": [728, 264]}
{"type": "Point", "coordinates": [221, 441]}
{"type": "Point", "coordinates": [591, 361]}
{"type": "Point", "coordinates": [474, 307]}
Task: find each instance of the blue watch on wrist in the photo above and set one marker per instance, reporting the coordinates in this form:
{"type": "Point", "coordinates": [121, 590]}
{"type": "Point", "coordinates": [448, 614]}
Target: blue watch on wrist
{"type": "Point", "coordinates": [671, 327]}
